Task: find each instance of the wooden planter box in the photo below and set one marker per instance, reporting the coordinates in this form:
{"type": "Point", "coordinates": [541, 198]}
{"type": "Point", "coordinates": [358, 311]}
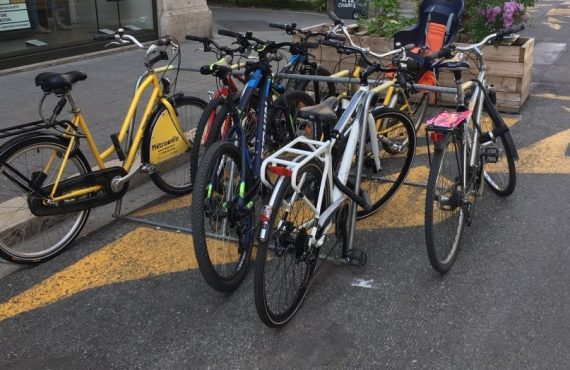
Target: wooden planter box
{"type": "Point", "coordinates": [508, 67]}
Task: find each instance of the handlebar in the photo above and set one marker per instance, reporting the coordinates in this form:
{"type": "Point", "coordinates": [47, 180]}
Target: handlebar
{"type": "Point", "coordinates": [509, 31]}
{"type": "Point", "coordinates": [498, 36]}
{"type": "Point", "coordinates": [336, 20]}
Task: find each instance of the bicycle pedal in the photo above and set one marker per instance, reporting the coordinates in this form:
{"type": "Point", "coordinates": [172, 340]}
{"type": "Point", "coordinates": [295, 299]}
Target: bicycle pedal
{"type": "Point", "coordinates": [148, 168]}
{"type": "Point", "coordinates": [491, 154]}
{"type": "Point", "coordinates": [356, 257]}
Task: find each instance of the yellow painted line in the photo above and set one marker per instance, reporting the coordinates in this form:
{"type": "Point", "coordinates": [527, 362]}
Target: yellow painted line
{"type": "Point", "coordinates": [552, 96]}
{"type": "Point", "coordinates": [559, 11]}
{"type": "Point", "coordinates": [511, 120]}
{"type": "Point", "coordinates": [176, 203]}
{"type": "Point", "coordinates": [554, 26]}
{"type": "Point", "coordinates": [406, 209]}
{"type": "Point", "coordinates": [547, 156]}
{"type": "Point", "coordinates": [137, 255]}
{"type": "Point", "coordinates": [555, 20]}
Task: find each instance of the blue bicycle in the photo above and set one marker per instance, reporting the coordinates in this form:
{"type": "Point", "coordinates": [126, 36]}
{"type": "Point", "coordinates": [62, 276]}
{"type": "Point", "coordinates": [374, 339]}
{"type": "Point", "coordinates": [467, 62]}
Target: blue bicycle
{"type": "Point", "coordinates": [228, 184]}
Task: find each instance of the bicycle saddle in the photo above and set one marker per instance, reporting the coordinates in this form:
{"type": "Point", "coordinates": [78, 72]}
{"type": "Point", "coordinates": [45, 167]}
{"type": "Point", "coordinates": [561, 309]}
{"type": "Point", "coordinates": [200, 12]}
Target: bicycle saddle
{"type": "Point", "coordinates": [452, 65]}
{"type": "Point", "coordinates": [322, 112]}
{"type": "Point", "coordinates": [58, 83]}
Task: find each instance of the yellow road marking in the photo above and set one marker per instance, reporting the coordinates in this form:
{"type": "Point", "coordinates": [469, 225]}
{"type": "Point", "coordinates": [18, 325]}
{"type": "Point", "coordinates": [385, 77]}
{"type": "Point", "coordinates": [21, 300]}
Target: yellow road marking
{"type": "Point", "coordinates": [567, 109]}
{"type": "Point", "coordinates": [552, 96]}
{"type": "Point", "coordinates": [554, 20]}
{"type": "Point", "coordinates": [176, 203]}
{"type": "Point", "coordinates": [554, 26]}
{"type": "Point", "coordinates": [139, 254]}
{"type": "Point", "coordinates": [559, 11]}
{"type": "Point", "coordinates": [405, 209]}
{"type": "Point", "coordinates": [546, 156]}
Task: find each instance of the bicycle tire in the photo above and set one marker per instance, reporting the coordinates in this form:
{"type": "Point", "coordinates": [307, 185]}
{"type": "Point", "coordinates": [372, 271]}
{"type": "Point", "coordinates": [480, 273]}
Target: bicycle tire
{"type": "Point", "coordinates": [174, 175]}
{"type": "Point", "coordinates": [223, 121]}
{"type": "Point", "coordinates": [301, 256]}
{"type": "Point", "coordinates": [213, 260]}
{"type": "Point", "coordinates": [444, 209]}
{"type": "Point", "coordinates": [282, 123]}
{"type": "Point", "coordinates": [324, 93]}
{"type": "Point", "coordinates": [202, 140]}
{"type": "Point", "coordinates": [419, 110]}
{"type": "Point", "coordinates": [36, 239]}
{"type": "Point", "coordinates": [501, 176]}
{"type": "Point", "coordinates": [395, 168]}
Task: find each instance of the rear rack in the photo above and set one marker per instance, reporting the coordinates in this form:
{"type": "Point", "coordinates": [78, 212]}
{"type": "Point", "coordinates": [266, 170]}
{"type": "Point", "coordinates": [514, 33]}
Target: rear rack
{"type": "Point", "coordinates": [282, 157]}
{"type": "Point", "coordinates": [30, 127]}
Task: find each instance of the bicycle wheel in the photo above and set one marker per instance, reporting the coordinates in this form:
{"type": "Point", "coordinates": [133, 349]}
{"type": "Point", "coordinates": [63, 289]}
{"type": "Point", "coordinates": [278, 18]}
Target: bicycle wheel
{"type": "Point", "coordinates": [24, 237]}
{"type": "Point", "coordinates": [283, 124]}
{"type": "Point", "coordinates": [499, 163]}
{"type": "Point", "coordinates": [223, 121]}
{"type": "Point", "coordinates": [397, 144]}
{"type": "Point", "coordinates": [444, 215]}
{"type": "Point", "coordinates": [419, 106]}
{"type": "Point", "coordinates": [222, 227]}
{"type": "Point", "coordinates": [285, 263]}
{"type": "Point", "coordinates": [202, 138]}
{"type": "Point", "coordinates": [173, 176]}
{"type": "Point", "coordinates": [318, 90]}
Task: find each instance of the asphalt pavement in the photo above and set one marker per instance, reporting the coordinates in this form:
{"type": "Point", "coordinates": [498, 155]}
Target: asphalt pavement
{"type": "Point", "coordinates": [129, 295]}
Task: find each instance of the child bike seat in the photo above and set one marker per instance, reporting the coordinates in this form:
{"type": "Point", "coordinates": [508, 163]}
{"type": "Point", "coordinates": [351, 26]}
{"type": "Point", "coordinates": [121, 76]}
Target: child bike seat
{"type": "Point", "coordinates": [58, 83]}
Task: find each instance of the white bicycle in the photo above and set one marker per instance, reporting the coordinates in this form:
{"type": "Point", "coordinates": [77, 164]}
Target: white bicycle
{"type": "Point", "coordinates": [321, 183]}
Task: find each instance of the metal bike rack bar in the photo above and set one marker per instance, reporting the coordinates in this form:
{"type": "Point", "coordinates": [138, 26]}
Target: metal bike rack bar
{"type": "Point", "coordinates": [291, 76]}
{"type": "Point", "coordinates": [341, 80]}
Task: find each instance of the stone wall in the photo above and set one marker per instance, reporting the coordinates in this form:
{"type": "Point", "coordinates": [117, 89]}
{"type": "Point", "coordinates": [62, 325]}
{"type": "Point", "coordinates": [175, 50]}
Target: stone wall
{"type": "Point", "coordinates": [182, 17]}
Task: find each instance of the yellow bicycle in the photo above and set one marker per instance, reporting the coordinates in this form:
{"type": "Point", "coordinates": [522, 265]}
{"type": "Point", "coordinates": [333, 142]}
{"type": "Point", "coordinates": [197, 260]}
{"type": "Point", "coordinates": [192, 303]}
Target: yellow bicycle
{"type": "Point", "coordinates": [47, 185]}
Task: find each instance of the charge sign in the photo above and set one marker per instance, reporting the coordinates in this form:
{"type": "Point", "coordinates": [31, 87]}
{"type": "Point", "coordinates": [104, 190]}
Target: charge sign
{"type": "Point", "coordinates": [350, 9]}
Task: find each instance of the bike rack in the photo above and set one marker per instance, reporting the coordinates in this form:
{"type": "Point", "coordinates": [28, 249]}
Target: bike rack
{"type": "Point", "coordinates": [341, 80]}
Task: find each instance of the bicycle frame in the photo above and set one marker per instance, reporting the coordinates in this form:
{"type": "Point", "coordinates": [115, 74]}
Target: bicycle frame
{"type": "Point", "coordinates": [263, 83]}
{"type": "Point", "coordinates": [79, 124]}
{"type": "Point", "coordinates": [357, 130]}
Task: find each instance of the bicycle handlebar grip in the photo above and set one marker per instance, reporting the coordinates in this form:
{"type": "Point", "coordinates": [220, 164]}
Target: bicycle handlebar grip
{"type": "Point", "coordinates": [409, 47]}
{"type": "Point", "coordinates": [330, 43]}
{"type": "Point", "coordinates": [508, 31]}
{"type": "Point", "coordinates": [277, 25]}
{"type": "Point", "coordinates": [332, 36]}
{"type": "Point", "coordinates": [228, 33]}
{"type": "Point", "coordinates": [103, 36]}
{"type": "Point", "coordinates": [336, 20]}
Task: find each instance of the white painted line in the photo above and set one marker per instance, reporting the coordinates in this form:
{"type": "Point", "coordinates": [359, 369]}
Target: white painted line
{"type": "Point", "coordinates": [361, 283]}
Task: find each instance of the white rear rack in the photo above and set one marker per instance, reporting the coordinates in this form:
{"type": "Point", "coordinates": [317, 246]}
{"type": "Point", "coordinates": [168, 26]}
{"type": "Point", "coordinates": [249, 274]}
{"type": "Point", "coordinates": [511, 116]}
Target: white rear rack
{"type": "Point", "coordinates": [283, 156]}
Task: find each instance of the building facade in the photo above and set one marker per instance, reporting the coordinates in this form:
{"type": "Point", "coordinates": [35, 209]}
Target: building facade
{"type": "Point", "coordinates": [32, 31]}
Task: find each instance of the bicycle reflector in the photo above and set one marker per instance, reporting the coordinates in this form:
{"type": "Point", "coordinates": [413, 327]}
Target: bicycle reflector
{"type": "Point", "coordinates": [437, 137]}
{"type": "Point", "coordinates": [281, 171]}
{"type": "Point", "coordinates": [266, 213]}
